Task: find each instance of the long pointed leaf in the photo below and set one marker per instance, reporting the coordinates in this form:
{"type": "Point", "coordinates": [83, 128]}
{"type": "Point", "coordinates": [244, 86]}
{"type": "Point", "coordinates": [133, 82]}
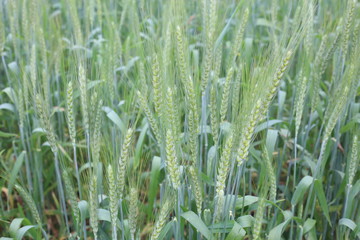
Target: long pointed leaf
{"type": "Point", "coordinates": [199, 225]}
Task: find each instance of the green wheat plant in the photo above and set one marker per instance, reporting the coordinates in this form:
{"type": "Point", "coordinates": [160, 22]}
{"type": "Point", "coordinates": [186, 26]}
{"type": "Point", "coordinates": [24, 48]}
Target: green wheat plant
{"type": "Point", "coordinates": [209, 119]}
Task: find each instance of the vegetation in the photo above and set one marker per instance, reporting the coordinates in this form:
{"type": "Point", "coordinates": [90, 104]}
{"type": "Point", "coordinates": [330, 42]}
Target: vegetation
{"type": "Point", "coordinates": [179, 119]}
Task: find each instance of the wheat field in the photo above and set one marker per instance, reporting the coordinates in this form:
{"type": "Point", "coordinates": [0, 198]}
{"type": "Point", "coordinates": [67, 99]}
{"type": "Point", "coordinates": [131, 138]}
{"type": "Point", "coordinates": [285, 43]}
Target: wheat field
{"type": "Point", "coordinates": [179, 119]}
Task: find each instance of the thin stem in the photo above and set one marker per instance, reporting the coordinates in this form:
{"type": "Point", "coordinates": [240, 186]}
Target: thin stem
{"type": "Point", "coordinates": [27, 163]}
{"type": "Point", "coordinates": [292, 222]}
{"type": "Point", "coordinates": [178, 212]}
{"type": "Point", "coordinates": [44, 233]}
{"type": "Point", "coordinates": [77, 170]}
{"type": "Point", "coordinates": [61, 191]}
{"type": "Point", "coordinates": [87, 136]}
{"type": "Point", "coordinates": [295, 160]}
{"type": "Point", "coordinates": [122, 220]}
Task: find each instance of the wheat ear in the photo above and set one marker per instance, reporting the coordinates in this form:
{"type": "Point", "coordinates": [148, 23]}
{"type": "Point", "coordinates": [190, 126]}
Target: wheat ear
{"type": "Point", "coordinates": [93, 202]}
{"type": "Point", "coordinates": [123, 160]}
{"type": "Point", "coordinates": [72, 196]}
{"type": "Point", "coordinates": [30, 202]}
{"type": "Point", "coordinates": [258, 218]}
{"type": "Point", "coordinates": [196, 189]}
{"type": "Point", "coordinates": [354, 162]}
{"type": "Point", "coordinates": [226, 95]}
{"type": "Point", "coordinates": [271, 174]}
{"type": "Point", "coordinates": [214, 115]}
{"type": "Point", "coordinates": [113, 204]}
{"type": "Point", "coordinates": [171, 160]}
{"type": "Point", "coordinates": [133, 212]}
{"type": "Point", "coordinates": [160, 222]}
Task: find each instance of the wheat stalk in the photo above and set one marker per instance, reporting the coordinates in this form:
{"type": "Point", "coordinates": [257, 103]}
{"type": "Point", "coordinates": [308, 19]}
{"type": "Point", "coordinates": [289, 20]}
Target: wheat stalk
{"type": "Point", "coordinates": [224, 164]}
{"type": "Point", "coordinates": [160, 222]}
{"type": "Point", "coordinates": [96, 143]}
{"type": "Point", "coordinates": [76, 22]}
{"type": "Point", "coordinates": [70, 112]}
{"type": "Point", "coordinates": [30, 202]}
{"type": "Point", "coordinates": [123, 160]}
{"type": "Point", "coordinates": [353, 164]}
{"type": "Point", "coordinates": [214, 115]}
{"type": "Point", "coordinates": [157, 86]}
{"type": "Point", "coordinates": [238, 38]}
{"type": "Point", "coordinates": [113, 205]}
{"type": "Point", "coordinates": [133, 212]}
{"type": "Point", "coordinates": [45, 123]}
{"type": "Point", "coordinates": [333, 117]}
{"type": "Point", "coordinates": [150, 117]}
{"type": "Point", "coordinates": [274, 84]}
{"type": "Point", "coordinates": [247, 133]}
{"type": "Point", "coordinates": [33, 72]}
{"type": "Point", "coordinates": [196, 189]}
{"type": "Point", "coordinates": [93, 202]}
{"type": "Point", "coordinates": [223, 171]}
{"type": "Point", "coordinates": [83, 97]}
{"type": "Point", "coordinates": [320, 57]}
{"type": "Point", "coordinates": [72, 196]}
{"type": "Point", "coordinates": [348, 23]}
{"type": "Point", "coordinates": [258, 219]}
{"type": "Point", "coordinates": [271, 174]}
{"type": "Point", "coordinates": [226, 95]}
{"type": "Point", "coordinates": [171, 159]}
{"type": "Point", "coordinates": [299, 102]}
{"type": "Point", "coordinates": [172, 114]}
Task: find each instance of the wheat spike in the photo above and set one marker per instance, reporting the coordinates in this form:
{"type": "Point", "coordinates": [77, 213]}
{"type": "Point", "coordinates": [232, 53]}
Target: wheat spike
{"type": "Point", "coordinates": [123, 160]}
{"type": "Point", "coordinates": [113, 205]}
{"type": "Point", "coordinates": [45, 123]}
{"type": "Point", "coordinates": [196, 189]}
{"type": "Point", "coordinates": [258, 219]}
{"type": "Point", "coordinates": [226, 95]}
{"type": "Point", "coordinates": [299, 102]}
{"type": "Point", "coordinates": [150, 117]}
{"type": "Point", "coordinates": [70, 112]}
{"type": "Point", "coordinates": [223, 168]}
{"type": "Point", "coordinates": [157, 85]}
{"type": "Point", "coordinates": [93, 202]}
{"type": "Point", "coordinates": [72, 196]}
{"type": "Point", "coordinates": [247, 133]}
{"type": "Point", "coordinates": [354, 160]}
{"type": "Point", "coordinates": [214, 115]}
{"type": "Point", "coordinates": [83, 97]}
{"type": "Point", "coordinates": [171, 160]}
{"type": "Point", "coordinates": [30, 202]}
{"type": "Point", "coordinates": [271, 174]}
{"type": "Point", "coordinates": [133, 212]}
{"type": "Point", "coordinates": [160, 222]}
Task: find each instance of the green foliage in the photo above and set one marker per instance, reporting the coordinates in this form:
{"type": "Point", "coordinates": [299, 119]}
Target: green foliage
{"type": "Point", "coordinates": [210, 119]}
